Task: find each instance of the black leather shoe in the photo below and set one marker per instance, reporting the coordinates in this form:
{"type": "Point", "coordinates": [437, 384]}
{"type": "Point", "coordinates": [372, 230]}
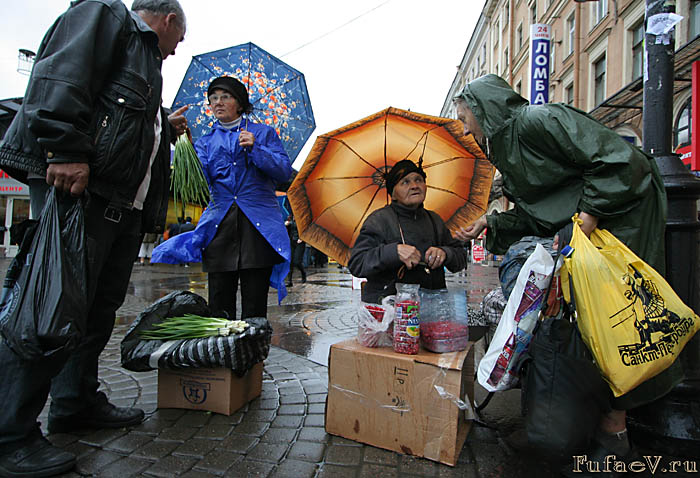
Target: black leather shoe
{"type": "Point", "coordinates": [100, 415]}
{"type": "Point", "coordinates": [36, 459]}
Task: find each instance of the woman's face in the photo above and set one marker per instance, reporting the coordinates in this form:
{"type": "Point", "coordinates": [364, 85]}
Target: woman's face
{"type": "Point", "coordinates": [224, 106]}
{"type": "Point", "coordinates": [410, 191]}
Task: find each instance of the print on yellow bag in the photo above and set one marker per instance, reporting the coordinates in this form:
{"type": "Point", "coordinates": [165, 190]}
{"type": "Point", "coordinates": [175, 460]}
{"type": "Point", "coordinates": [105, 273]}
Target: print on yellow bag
{"type": "Point", "coordinates": [655, 318]}
{"type": "Point", "coordinates": [629, 317]}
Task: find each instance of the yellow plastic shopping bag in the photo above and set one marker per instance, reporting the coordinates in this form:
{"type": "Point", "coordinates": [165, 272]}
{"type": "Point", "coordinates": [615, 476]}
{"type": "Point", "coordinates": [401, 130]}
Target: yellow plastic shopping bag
{"type": "Point", "coordinates": [632, 321]}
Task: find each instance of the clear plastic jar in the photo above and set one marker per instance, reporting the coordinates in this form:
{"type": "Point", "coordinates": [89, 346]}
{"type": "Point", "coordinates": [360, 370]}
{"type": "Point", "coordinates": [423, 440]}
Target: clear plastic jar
{"type": "Point", "coordinates": [443, 320]}
{"type": "Point", "coordinates": [407, 319]}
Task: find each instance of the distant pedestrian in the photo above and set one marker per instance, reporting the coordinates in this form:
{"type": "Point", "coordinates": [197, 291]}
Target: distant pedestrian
{"type": "Point", "coordinates": [174, 228]}
{"type": "Point", "coordinates": [147, 245]}
{"type": "Point", "coordinates": [298, 246]}
{"type": "Point", "coordinates": [187, 225]}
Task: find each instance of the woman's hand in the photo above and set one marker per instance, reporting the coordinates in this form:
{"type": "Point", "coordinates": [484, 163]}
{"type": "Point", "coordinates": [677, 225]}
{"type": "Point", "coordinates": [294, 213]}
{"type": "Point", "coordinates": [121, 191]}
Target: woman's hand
{"type": "Point", "coordinates": [589, 223]}
{"type": "Point", "coordinates": [408, 254]}
{"type": "Point", "coordinates": [471, 232]}
{"type": "Point", "coordinates": [246, 139]}
{"type": "Point", "coordinates": [435, 257]}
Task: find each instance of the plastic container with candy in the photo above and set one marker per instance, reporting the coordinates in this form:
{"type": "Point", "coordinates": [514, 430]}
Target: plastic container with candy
{"type": "Point", "coordinates": [444, 320]}
{"type": "Point", "coordinates": [407, 319]}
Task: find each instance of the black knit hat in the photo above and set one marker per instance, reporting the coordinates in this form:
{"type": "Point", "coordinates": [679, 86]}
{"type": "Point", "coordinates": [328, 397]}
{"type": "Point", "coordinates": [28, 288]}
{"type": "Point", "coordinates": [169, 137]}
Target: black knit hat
{"type": "Point", "coordinates": [233, 86]}
{"type": "Point", "coordinates": [399, 171]}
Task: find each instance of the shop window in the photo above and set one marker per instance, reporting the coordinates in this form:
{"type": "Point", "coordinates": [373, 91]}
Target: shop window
{"type": "Point", "coordinates": [681, 128]}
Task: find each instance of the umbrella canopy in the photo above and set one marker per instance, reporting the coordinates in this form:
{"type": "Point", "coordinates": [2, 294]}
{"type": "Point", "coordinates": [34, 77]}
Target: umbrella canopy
{"type": "Point", "coordinates": [276, 90]}
{"type": "Point", "coordinates": [342, 180]}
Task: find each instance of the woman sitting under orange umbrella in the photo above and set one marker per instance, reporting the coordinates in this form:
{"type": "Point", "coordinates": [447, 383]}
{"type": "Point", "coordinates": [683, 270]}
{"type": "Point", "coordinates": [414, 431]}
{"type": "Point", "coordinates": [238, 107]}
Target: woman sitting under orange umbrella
{"type": "Point", "coordinates": [404, 242]}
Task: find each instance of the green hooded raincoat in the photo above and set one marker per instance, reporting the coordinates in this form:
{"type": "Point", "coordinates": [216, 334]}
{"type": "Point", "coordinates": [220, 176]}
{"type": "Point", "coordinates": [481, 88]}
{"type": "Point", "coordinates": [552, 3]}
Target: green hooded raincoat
{"type": "Point", "coordinates": [555, 161]}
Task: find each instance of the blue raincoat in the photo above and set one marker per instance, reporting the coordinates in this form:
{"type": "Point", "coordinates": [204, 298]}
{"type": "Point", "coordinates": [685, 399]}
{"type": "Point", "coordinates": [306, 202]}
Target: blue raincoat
{"type": "Point", "coordinates": [246, 177]}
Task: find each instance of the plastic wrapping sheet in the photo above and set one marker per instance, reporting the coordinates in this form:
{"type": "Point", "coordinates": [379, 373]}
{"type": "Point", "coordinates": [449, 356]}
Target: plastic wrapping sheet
{"type": "Point", "coordinates": [236, 352]}
{"type": "Point", "coordinates": [413, 404]}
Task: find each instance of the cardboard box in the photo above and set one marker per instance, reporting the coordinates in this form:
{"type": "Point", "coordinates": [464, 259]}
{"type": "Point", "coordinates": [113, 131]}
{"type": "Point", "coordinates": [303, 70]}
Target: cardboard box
{"type": "Point", "coordinates": [213, 389]}
{"type": "Point", "coordinates": [406, 403]}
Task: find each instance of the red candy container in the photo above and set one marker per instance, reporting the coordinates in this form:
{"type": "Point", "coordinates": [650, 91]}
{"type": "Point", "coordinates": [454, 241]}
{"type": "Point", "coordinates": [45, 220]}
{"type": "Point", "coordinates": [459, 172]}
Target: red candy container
{"type": "Point", "coordinates": [407, 319]}
{"type": "Point", "coordinates": [443, 321]}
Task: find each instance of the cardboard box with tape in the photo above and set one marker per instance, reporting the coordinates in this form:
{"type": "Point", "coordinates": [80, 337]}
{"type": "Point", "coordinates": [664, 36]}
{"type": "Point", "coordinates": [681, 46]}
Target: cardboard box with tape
{"type": "Point", "coordinates": [413, 404]}
{"type": "Point", "coordinates": [212, 389]}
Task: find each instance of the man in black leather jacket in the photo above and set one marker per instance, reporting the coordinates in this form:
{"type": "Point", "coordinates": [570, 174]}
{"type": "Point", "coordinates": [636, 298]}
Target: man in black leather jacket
{"type": "Point", "coordinates": [91, 119]}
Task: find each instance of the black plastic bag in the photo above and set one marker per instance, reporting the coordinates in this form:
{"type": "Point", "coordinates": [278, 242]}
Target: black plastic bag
{"type": "Point", "coordinates": [43, 303]}
{"type": "Point", "coordinates": [564, 392]}
{"type": "Point", "coordinates": [237, 352]}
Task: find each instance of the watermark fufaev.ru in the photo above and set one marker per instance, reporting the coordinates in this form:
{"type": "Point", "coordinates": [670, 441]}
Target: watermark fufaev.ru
{"type": "Point", "coordinates": [651, 464]}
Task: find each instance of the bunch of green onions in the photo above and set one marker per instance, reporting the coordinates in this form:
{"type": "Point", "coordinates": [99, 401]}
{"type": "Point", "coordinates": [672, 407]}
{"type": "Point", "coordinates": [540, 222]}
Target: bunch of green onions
{"type": "Point", "coordinates": [192, 326]}
{"type": "Point", "coordinates": [187, 180]}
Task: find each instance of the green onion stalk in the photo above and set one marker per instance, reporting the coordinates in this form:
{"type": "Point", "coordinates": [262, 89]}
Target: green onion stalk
{"type": "Point", "coordinates": [192, 326]}
{"type": "Point", "coordinates": [187, 180]}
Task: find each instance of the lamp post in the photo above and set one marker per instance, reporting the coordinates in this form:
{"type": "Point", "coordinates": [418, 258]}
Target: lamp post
{"type": "Point", "coordinates": [25, 61]}
{"type": "Point", "coordinates": [672, 424]}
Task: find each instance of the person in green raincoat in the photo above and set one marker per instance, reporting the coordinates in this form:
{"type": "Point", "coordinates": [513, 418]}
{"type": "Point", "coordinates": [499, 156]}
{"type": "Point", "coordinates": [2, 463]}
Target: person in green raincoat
{"type": "Point", "coordinates": [556, 161]}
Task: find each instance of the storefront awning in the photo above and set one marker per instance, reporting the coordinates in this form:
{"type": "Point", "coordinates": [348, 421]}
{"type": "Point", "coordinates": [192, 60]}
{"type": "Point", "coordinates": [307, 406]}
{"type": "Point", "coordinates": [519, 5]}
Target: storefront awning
{"type": "Point", "coordinates": [627, 103]}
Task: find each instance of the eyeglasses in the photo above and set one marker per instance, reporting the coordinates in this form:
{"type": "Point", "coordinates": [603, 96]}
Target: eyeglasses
{"type": "Point", "coordinates": [224, 98]}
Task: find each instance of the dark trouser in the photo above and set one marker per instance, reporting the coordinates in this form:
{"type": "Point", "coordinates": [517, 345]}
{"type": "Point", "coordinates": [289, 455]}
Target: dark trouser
{"type": "Point", "coordinates": [254, 286]}
{"type": "Point", "coordinates": [297, 261]}
{"type": "Point", "coordinates": [72, 380]}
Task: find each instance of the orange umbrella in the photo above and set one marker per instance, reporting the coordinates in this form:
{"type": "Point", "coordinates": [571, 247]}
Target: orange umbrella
{"type": "Point", "coordinates": [342, 180]}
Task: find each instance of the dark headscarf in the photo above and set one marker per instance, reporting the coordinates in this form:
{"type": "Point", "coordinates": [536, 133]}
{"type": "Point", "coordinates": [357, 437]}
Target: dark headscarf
{"type": "Point", "coordinates": [233, 86]}
{"type": "Point", "coordinates": [399, 171]}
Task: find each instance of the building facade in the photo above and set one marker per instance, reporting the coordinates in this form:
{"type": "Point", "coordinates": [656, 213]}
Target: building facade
{"type": "Point", "coordinates": [596, 58]}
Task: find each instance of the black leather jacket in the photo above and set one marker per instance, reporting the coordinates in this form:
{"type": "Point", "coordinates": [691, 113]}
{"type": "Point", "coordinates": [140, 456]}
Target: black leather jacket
{"type": "Point", "coordinates": [93, 97]}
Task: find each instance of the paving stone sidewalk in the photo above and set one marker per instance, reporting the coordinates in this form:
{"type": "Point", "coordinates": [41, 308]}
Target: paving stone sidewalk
{"type": "Point", "coordinates": [279, 434]}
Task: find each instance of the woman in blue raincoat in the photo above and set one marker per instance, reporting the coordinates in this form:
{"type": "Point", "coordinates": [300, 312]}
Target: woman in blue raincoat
{"type": "Point", "coordinates": [241, 234]}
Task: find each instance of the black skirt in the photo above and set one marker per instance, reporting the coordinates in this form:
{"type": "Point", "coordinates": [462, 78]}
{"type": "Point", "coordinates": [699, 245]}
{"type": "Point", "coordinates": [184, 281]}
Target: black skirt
{"type": "Point", "coordinates": [238, 245]}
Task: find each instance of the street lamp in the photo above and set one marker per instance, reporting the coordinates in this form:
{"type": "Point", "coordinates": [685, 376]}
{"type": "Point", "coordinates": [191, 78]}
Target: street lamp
{"type": "Point", "coordinates": [25, 61]}
{"type": "Point", "coordinates": [672, 423]}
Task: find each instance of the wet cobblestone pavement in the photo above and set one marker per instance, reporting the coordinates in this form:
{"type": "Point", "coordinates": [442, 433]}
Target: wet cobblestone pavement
{"type": "Point", "coordinates": [281, 433]}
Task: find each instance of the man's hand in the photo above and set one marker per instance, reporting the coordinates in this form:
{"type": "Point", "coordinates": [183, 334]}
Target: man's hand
{"type": "Point", "coordinates": [68, 177]}
{"type": "Point", "coordinates": [178, 120]}
{"type": "Point", "coordinates": [409, 255]}
{"type": "Point", "coordinates": [435, 257]}
{"type": "Point", "coordinates": [246, 138]}
{"type": "Point", "coordinates": [471, 232]}
{"type": "Point", "coordinates": [589, 223]}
